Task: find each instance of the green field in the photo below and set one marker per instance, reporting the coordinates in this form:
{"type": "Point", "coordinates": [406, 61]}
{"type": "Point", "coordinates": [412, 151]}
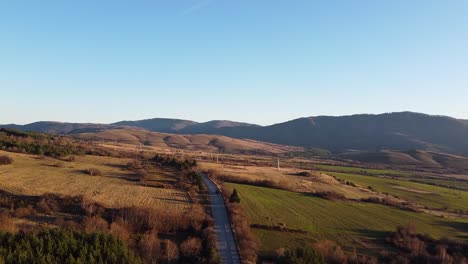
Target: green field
{"type": "Point", "coordinates": [448, 183]}
{"type": "Point", "coordinates": [350, 224]}
{"type": "Point", "coordinates": [428, 195]}
{"type": "Point", "coordinates": [363, 170]}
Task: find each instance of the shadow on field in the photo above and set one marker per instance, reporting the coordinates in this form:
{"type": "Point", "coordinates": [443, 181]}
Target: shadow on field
{"type": "Point", "coordinates": [372, 234]}
{"type": "Point", "coordinates": [459, 226]}
{"type": "Point", "coordinates": [175, 201]}
{"type": "Point", "coordinates": [117, 166]}
{"type": "Point", "coordinates": [117, 175]}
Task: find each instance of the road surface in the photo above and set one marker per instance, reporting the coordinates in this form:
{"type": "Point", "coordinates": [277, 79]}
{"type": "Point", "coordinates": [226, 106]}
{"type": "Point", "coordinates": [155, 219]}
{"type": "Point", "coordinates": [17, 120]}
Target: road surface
{"type": "Point", "coordinates": [227, 248]}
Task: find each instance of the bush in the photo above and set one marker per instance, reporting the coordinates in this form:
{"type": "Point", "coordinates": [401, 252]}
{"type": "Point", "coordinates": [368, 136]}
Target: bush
{"type": "Point", "coordinates": [281, 185]}
{"type": "Point", "coordinates": [248, 244]}
{"type": "Point", "coordinates": [333, 196]}
{"type": "Point", "coordinates": [304, 174]}
{"type": "Point", "coordinates": [172, 251]}
{"type": "Point", "coordinates": [69, 159]}
{"type": "Point", "coordinates": [43, 207]}
{"type": "Point", "coordinates": [331, 252]}
{"type": "Point", "coordinates": [95, 224]}
{"type": "Point", "coordinates": [191, 247]}
{"type": "Point", "coordinates": [93, 172]}
{"type": "Point", "coordinates": [301, 256]}
{"type": "Point", "coordinates": [6, 223]}
{"type": "Point", "coordinates": [235, 198]}
{"type": "Point", "coordinates": [24, 212]}
{"type": "Point", "coordinates": [5, 160]}
{"type": "Point", "coordinates": [142, 175]}
{"type": "Point", "coordinates": [149, 246]}
{"type": "Point", "coordinates": [134, 165]}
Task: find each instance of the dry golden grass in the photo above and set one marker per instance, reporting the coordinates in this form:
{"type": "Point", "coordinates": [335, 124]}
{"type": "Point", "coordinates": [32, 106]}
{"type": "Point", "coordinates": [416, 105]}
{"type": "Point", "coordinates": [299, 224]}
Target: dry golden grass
{"type": "Point", "coordinates": [116, 187]}
{"type": "Point", "coordinates": [209, 143]}
{"type": "Point", "coordinates": [287, 177]}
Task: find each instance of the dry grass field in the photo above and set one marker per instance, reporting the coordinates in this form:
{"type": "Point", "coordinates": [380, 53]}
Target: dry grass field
{"type": "Point", "coordinates": [288, 178]}
{"type": "Point", "coordinates": [116, 187]}
{"type": "Point", "coordinates": [208, 143]}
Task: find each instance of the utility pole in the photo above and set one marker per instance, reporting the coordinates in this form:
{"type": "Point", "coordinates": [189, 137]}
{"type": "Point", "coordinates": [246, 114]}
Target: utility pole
{"type": "Point", "coordinates": [278, 164]}
{"type": "Point", "coordinates": [217, 158]}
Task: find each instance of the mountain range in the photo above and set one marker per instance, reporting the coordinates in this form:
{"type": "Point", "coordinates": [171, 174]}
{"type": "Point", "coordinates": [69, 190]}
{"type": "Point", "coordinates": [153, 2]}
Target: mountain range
{"type": "Point", "coordinates": [390, 131]}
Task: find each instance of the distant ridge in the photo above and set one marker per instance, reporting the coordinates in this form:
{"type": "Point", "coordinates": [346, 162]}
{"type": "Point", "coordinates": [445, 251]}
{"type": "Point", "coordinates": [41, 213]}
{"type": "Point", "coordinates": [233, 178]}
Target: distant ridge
{"type": "Point", "coordinates": [181, 126]}
{"type": "Point", "coordinates": [399, 131]}
{"type": "Point", "coordinates": [52, 127]}
{"type": "Point", "coordinates": [164, 125]}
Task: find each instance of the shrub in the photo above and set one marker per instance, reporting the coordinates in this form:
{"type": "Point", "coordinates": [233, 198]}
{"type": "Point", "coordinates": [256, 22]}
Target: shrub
{"type": "Point", "coordinates": [6, 223]}
{"type": "Point", "coordinates": [247, 241]}
{"type": "Point", "coordinates": [93, 209]}
{"type": "Point", "coordinates": [142, 175]}
{"type": "Point", "coordinates": [95, 224]}
{"type": "Point", "coordinates": [134, 165]}
{"type": "Point", "coordinates": [120, 231]}
{"type": "Point", "coordinates": [5, 160]}
{"type": "Point", "coordinates": [331, 252]}
{"type": "Point", "coordinates": [43, 207]}
{"type": "Point", "coordinates": [191, 247]}
{"type": "Point", "coordinates": [281, 185]}
{"type": "Point", "coordinates": [149, 246]}
{"type": "Point", "coordinates": [141, 220]}
{"type": "Point", "coordinates": [234, 198]}
{"type": "Point", "coordinates": [172, 251]}
{"type": "Point", "coordinates": [69, 158]}
{"type": "Point", "coordinates": [330, 195]}
{"type": "Point", "coordinates": [93, 172]}
{"type": "Point", "coordinates": [24, 212]}
{"type": "Point", "coordinates": [304, 174]}
{"type": "Point", "coordinates": [301, 256]}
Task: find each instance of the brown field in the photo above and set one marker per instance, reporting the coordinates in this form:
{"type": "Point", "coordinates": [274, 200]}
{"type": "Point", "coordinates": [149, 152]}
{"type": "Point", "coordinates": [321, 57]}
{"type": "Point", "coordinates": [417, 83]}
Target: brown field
{"type": "Point", "coordinates": [287, 177]}
{"type": "Point", "coordinates": [209, 143]}
{"type": "Point", "coordinates": [117, 187]}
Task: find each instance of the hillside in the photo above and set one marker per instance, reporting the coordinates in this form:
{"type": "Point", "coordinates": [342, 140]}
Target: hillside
{"type": "Point", "coordinates": [396, 131]}
{"type": "Point", "coordinates": [159, 124]}
{"type": "Point", "coordinates": [422, 159]}
{"type": "Point", "coordinates": [211, 143]}
{"type": "Point", "coordinates": [183, 126]}
{"type": "Point", "coordinates": [57, 128]}
{"type": "Point", "coordinates": [393, 131]}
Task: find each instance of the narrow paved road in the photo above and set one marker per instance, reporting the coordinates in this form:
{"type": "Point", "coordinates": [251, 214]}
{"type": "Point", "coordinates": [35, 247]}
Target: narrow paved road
{"type": "Point", "coordinates": [226, 244]}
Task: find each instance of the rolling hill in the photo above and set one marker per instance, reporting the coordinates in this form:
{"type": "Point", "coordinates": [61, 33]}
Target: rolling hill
{"type": "Point", "coordinates": [421, 159]}
{"type": "Point", "coordinates": [183, 126]}
{"type": "Point", "coordinates": [59, 128]}
{"type": "Point", "coordinates": [392, 131]}
{"type": "Point", "coordinates": [164, 125]}
{"type": "Point", "coordinates": [209, 143]}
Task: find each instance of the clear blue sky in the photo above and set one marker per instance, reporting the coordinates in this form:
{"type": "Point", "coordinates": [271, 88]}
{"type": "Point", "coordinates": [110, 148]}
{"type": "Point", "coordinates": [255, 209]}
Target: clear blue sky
{"type": "Point", "coordinates": [259, 61]}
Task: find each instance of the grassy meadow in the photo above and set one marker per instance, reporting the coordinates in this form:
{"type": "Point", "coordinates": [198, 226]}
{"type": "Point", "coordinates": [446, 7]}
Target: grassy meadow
{"type": "Point", "coordinates": [427, 195]}
{"type": "Point", "coordinates": [287, 178]}
{"type": "Point", "coordinates": [360, 225]}
{"type": "Point", "coordinates": [346, 169]}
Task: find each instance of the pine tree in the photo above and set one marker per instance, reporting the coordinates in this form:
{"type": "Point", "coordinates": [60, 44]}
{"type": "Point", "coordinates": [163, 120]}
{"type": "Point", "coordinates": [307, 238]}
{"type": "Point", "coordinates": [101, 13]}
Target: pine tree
{"type": "Point", "coordinates": [235, 198]}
